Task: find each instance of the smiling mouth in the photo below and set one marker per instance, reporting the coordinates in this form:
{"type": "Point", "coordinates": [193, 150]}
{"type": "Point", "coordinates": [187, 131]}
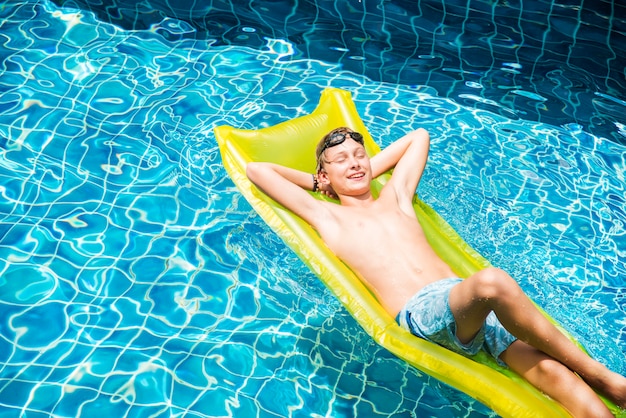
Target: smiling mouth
{"type": "Point", "coordinates": [356, 176]}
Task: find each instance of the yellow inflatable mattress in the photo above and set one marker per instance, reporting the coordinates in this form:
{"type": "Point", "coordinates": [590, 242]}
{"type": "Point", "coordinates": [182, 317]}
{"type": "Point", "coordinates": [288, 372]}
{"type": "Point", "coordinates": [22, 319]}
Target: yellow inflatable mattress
{"type": "Point", "coordinates": [292, 144]}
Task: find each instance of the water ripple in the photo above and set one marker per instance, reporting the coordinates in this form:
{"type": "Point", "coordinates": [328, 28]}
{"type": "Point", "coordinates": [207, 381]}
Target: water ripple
{"type": "Point", "coordinates": [135, 279]}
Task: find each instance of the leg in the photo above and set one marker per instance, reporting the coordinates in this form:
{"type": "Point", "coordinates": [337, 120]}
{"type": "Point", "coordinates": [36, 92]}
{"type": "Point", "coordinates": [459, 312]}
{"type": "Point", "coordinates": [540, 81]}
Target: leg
{"type": "Point", "coordinates": [494, 290]}
{"type": "Point", "coordinates": [555, 380]}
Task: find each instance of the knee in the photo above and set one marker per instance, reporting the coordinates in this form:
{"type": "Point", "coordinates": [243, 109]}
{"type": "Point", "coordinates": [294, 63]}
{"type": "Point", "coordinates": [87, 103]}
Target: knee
{"type": "Point", "coordinates": [495, 283]}
{"type": "Point", "coordinates": [578, 398]}
{"type": "Point", "coordinates": [553, 373]}
{"type": "Point", "coordinates": [549, 373]}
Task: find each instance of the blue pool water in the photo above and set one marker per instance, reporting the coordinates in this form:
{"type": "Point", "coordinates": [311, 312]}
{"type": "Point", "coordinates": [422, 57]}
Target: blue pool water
{"type": "Point", "coordinates": [136, 281]}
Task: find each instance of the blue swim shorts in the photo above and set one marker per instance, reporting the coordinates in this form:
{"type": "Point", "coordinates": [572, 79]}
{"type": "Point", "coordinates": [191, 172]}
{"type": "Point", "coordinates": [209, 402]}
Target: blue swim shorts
{"type": "Point", "coordinates": [427, 315]}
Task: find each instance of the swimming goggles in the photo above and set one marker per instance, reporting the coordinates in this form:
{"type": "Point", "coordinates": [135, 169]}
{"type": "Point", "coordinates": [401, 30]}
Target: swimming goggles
{"type": "Point", "coordinates": [338, 138]}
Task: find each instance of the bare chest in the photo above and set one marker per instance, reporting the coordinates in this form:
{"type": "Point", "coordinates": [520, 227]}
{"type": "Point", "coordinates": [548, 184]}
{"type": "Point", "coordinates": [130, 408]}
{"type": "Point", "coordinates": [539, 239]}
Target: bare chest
{"type": "Point", "coordinates": [361, 238]}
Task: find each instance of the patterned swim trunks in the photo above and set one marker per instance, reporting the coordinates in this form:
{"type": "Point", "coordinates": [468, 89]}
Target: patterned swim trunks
{"type": "Point", "coordinates": [427, 315]}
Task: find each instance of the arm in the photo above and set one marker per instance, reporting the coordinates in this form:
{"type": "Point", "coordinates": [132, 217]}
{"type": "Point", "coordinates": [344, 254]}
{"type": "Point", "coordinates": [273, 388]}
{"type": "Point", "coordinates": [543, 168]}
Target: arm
{"type": "Point", "coordinates": [288, 187]}
{"type": "Point", "coordinates": [407, 156]}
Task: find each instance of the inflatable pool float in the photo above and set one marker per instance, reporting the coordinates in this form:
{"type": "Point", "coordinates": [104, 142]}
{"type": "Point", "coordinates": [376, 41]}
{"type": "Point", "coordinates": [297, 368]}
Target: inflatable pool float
{"type": "Point", "coordinates": [292, 143]}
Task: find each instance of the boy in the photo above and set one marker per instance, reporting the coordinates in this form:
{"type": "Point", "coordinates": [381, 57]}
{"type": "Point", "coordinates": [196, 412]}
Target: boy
{"type": "Point", "coordinates": [383, 242]}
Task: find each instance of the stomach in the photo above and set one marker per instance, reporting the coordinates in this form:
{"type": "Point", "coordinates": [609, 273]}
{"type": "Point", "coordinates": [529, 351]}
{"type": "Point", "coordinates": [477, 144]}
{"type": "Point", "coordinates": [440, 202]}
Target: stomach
{"type": "Point", "coordinates": [394, 280]}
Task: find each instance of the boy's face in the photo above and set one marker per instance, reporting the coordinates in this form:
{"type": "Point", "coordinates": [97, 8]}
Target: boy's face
{"type": "Point", "coordinates": [347, 168]}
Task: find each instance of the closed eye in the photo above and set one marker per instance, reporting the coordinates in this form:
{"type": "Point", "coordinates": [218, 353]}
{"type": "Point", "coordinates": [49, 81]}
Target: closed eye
{"type": "Point", "coordinates": [342, 156]}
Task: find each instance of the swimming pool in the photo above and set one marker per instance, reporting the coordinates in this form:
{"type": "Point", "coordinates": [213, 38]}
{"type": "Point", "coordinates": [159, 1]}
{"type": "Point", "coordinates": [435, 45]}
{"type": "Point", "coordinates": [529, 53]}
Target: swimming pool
{"type": "Point", "coordinates": [135, 280]}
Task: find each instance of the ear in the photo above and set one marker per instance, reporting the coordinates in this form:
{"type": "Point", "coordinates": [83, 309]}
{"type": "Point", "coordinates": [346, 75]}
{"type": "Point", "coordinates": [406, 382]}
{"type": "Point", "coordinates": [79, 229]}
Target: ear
{"type": "Point", "coordinates": [322, 177]}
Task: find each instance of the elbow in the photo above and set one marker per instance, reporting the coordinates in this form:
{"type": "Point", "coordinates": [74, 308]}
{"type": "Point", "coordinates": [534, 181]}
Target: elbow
{"type": "Point", "coordinates": [422, 134]}
{"type": "Point", "coordinates": [252, 171]}
{"type": "Point", "coordinates": [421, 137]}
{"type": "Point", "coordinates": [257, 172]}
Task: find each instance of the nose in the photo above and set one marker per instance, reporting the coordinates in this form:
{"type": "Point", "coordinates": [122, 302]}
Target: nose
{"type": "Point", "coordinates": [354, 162]}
